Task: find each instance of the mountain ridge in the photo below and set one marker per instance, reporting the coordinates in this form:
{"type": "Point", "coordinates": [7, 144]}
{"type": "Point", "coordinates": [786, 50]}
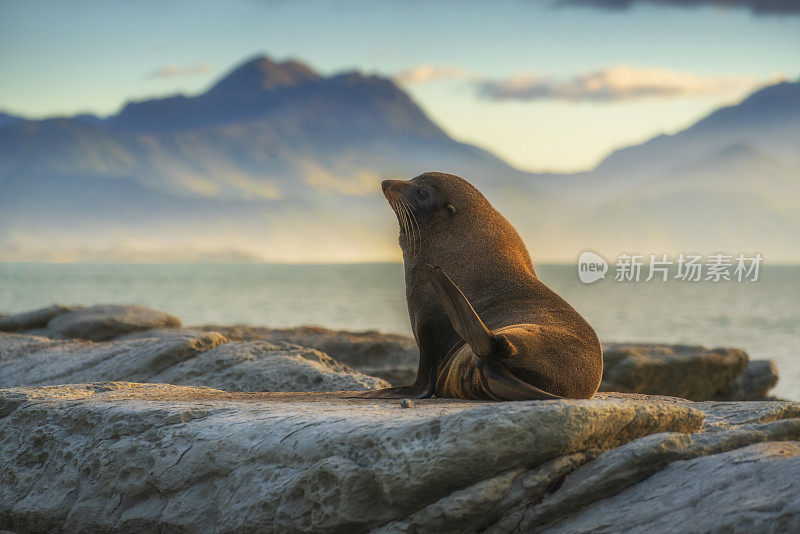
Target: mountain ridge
{"type": "Point", "coordinates": [272, 152]}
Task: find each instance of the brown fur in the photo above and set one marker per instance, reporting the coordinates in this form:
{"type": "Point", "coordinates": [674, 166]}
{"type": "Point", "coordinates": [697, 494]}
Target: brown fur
{"type": "Point", "coordinates": [542, 347]}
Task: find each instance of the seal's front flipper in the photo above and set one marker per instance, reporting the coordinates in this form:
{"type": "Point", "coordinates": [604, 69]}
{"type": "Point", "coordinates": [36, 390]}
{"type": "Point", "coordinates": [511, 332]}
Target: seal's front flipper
{"type": "Point", "coordinates": [462, 316]}
{"type": "Point", "coordinates": [402, 392]}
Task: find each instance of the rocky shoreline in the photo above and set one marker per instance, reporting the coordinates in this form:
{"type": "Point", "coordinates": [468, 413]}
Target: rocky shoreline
{"type": "Point", "coordinates": [115, 418]}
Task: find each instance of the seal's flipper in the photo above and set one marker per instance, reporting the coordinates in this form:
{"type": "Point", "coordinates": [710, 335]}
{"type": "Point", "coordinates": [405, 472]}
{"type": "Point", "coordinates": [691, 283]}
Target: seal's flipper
{"type": "Point", "coordinates": [462, 316]}
{"type": "Point", "coordinates": [503, 385]}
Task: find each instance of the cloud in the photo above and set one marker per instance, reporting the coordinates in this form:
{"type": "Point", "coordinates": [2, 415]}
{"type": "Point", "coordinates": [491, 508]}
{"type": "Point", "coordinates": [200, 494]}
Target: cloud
{"type": "Point", "coordinates": [172, 71]}
{"type": "Point", "coordinates": [758, 7]}
{"type": "Point", "coordinates": [429, 73]}
{"type": "Point", "coordinates": [611, 84]}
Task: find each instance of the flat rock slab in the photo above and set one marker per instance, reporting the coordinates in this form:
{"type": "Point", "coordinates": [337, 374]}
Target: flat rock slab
{"type": "Point", "coordinates": [148, 457]}
{"type": "Point", "coordinates": [182, 357]}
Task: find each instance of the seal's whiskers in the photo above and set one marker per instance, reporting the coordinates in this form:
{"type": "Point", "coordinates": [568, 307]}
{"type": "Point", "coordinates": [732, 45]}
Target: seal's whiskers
{"type": "Point", "coordinates": [414, 225]}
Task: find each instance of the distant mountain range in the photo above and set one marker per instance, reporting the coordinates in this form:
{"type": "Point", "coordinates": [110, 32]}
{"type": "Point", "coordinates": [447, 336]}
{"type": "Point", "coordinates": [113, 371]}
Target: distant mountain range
{"type": "Point", "coordinates": [275, 162]}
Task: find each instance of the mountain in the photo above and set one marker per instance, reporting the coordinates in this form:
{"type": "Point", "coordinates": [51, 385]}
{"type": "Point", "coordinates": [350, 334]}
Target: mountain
{"type": "Point", "coordinates": [269, 154]}
{"type": "Point", "coordinates": [768, 119]}
{"type": "Point", "coordinates": [6, 119]}
{"type": "Point", "coordinates": [730, 182]}
{"type": "Point", "coordinates": [278, 162]}
{"type": "Point", "coordinates": [266, 130]}
{"type": "Point", "coordinates": [262, 74]}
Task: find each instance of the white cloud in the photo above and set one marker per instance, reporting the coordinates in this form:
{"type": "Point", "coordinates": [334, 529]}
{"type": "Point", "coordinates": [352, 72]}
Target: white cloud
{"type": "Point", "coordinates": [612, 84]}
{"type": "Point", "coordinates": [173, 71]}
{"type": "Point", "coordinates": [429, 73]}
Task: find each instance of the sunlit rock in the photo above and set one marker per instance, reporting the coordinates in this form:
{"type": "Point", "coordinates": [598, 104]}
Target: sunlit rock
{"type": "Point", "coordinates": [176, 357]}
{"type": "Point", "coordinates": [122, 456]}
{"type": "Point", "coordinates": [691, 372]}
{"type": "Point", "coordinates": [391, 357]}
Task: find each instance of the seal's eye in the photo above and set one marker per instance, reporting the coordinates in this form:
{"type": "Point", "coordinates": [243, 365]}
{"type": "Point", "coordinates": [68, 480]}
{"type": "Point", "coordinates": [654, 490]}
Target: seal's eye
{"type": "Point", "coordinates": [422, 194]}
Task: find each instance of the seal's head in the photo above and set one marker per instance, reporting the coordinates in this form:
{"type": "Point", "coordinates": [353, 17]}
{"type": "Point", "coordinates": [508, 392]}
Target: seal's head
{"type": "Point", "coordinates": [431, 202]}
{"type": "Point", "coordinates": [442, 215]}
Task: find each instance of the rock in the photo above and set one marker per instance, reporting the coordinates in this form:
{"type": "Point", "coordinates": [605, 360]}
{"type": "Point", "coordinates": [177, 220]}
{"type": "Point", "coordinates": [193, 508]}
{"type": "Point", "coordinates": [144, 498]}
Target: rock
{"type": "Point", "coordinates": [98, 323]}
{"type": "Point", "coordinates": [94, 323]}
{"type": "Point", "coordinates": [691, 372]}
{"type": "Point", "coordinates": [616, 470]}
{"type": "Point", "coordinates": [754, 383]}
{"type": "Point", "coordinates": [147, 457]}
{"type": "Point", "coordinates": [389, 356]}
{"type": "Point", "coordinates": [176, 357]}
{"type": "Point", "coordinates": [262, 366]}
{"type": "Point", "coordinates": [728, 426]}
{"type": "Point", "coordinates": [752, 489]}
{"type": "Point", "coordinates": [477, 506]}
{"type": "Point", "coordinates": [13, 345]}
{"type": "Point", "coordinates": [33, 319]}
{"type": "Point", "coordinates": [32, 360]}
{"type": "Point", "coordinates": [726, 415]}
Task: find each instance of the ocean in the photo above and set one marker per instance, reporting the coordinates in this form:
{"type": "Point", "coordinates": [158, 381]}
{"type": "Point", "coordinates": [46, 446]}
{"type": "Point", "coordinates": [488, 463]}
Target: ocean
{"type": "Point", "coordinates": [762, 317]}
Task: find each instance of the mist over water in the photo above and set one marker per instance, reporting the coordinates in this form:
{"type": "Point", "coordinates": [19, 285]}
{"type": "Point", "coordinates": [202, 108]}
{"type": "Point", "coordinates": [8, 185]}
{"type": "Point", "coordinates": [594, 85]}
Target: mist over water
{"type": "Point", "coordinates": [762, 317]}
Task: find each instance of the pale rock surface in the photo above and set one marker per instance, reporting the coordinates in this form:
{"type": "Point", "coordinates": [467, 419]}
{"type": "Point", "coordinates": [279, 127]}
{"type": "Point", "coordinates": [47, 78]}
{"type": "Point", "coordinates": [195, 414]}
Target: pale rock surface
{"type": "Point", "coordinates": [262, 366]}
{"type": "Point", "coordinates": [147, 457]}
{"type": "Point", "coordinates": [692, 372]}
{"type": "Point", "coordinates": [108, 321]}
{"type": "Point", "coordinates": [752, 489]}
{"type": "Point", "coordinates": [687, 371]}
{"type": "Point", "coordinates": [176, 357]}
{"type": "Point", "coordinates": [389, 356]}
{"type": "Point", "coordinates": [728, 426]}
{"type": "Point", "coordinates": [33, 319]}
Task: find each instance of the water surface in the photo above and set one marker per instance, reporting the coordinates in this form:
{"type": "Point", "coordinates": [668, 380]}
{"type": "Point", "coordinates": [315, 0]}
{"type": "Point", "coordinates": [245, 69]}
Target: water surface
{"type": "Point", "coordinates": [761, 317]}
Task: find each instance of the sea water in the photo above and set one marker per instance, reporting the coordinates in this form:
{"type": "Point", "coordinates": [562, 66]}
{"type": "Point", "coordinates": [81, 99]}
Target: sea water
{"type": "Point", "coordinates": [762, 317]}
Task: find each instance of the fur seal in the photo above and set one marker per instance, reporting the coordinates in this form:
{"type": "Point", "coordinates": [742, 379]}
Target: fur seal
{"type": "Point", "coordinates": [486, 326]}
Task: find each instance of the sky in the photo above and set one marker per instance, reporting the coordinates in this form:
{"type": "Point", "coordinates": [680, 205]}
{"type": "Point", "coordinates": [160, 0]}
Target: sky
{"type": "Point", "coordinates": [548, 85]}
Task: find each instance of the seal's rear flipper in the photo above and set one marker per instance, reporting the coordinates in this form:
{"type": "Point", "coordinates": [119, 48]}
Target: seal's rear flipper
{"type": "Point", "coordinates": [465, 321]}
{"type": "Point", "coordinates": [503, 385]}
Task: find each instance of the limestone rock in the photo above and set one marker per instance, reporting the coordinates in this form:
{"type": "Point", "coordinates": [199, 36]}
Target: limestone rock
{"type": "Point", "coordinates": [262, 366]}
{"type": "Point", "coordinates": [389, 356]}
{"type": "Point", "coordinates": [752, 489]}
{"type": "Point", "coordinates": [134, 457]}
{"type": "Point", "coordinates": [618, 469]}
{"type": "Point", "coordinates": [176, 357]}
{"type": "Point", "coordinates": [33, 360]}
{"type": "Point", "coordinates": [725, 415]}
{"type": "Point", "coordinates": [691, 372]}
{"type": "Point", "coordinates": [754, 383]}
{"type": "Point", "coordinates": [33, 319]}
{"type": "Point", "coordinates": [98, 323]}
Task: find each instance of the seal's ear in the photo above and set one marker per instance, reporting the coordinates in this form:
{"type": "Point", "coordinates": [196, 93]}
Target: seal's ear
{"type": "Point", "coordinates": [451, 208]}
